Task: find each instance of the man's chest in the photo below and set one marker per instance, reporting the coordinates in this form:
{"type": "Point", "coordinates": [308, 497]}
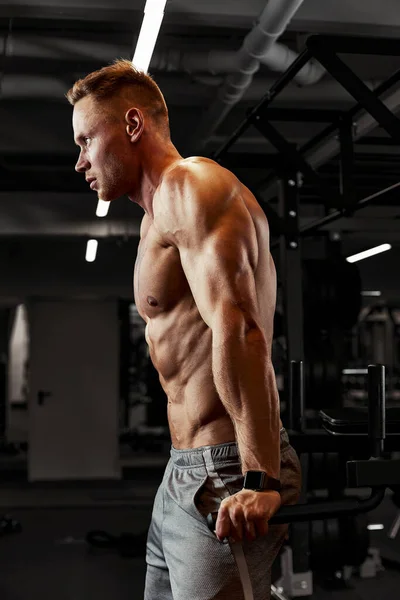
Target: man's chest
{"type": "Point", "coordinates": [159, 281]}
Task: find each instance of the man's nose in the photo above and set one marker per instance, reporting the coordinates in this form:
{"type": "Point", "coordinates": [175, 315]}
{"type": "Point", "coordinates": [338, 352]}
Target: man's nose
{"type": "Point", "coordinates": [82, 165]}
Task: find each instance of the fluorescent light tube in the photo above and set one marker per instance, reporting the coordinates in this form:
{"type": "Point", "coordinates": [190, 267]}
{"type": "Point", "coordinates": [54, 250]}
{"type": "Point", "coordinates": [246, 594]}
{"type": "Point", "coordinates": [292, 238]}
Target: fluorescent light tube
{"type": "Point", "coordinates": [368, 253]}
{"type": "Point", "coordinates": [371, 293]}
{"type": "Point", "coordinates": [153, 17]}
{"type": "Point", "coordinates": [102, 208]}
{"type": "Point", "coordinates": [91, 250]}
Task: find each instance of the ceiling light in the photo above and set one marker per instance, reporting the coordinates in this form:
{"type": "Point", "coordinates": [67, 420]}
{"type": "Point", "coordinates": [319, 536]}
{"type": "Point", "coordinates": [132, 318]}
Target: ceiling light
{"type": "Point", "coordinates": [102, 208]}
{"type": "Point", "coordinates": [375, 527]}
{"type": "Point", "coordinates": [371, 293]}
{"type": "Point", "coordinates": [153, 16]}
{"type": "Point", "coordinates": [368, 253]}
{"type": "Point", "coordinates": [91, 250]}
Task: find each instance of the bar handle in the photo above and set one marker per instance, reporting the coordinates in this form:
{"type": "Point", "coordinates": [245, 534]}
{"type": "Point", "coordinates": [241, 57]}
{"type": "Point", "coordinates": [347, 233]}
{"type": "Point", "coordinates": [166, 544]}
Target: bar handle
{"type": "Point", "coordinates": [376, 409]}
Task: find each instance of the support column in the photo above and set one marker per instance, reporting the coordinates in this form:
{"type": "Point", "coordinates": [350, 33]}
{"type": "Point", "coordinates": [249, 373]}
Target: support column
{"type": "Point", "coordinates": [296, 572]}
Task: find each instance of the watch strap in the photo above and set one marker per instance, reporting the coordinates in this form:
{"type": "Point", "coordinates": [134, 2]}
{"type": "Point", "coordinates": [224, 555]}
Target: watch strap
{"type": "Point", "coordinates": [260, 481]}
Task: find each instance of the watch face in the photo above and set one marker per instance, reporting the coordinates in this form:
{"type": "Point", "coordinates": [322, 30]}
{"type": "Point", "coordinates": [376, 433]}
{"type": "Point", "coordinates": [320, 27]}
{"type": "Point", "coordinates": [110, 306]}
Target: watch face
{"type": "Point", "coordinates": [254, 480]}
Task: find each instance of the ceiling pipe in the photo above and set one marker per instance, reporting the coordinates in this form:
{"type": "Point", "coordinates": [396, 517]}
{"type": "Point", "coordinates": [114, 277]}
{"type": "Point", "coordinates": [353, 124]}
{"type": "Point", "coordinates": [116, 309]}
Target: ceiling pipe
{"type": "Point", "coordinates": [278, 58]}
{"type": "Point", "coordinates": [270, 26]}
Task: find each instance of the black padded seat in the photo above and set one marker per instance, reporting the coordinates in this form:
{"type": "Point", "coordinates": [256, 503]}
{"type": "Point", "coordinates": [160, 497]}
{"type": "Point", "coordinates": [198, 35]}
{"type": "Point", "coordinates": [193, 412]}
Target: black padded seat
{"type": "Point", "coordinates": [354, 421]}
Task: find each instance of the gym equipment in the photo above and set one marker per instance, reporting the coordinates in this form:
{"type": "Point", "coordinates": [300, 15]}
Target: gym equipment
{"type": "Point", "coordinates": [367, 437]}
{"type": "Point", "coordinates": [296, 165]}
{"type": "Point", "coordinates": [350, 530]}
{"type": "Point", "coordinates": [376, 472]}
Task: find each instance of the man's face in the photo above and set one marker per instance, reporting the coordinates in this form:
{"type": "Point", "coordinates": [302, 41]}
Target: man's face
{"type": "Point", "coordinates": [105, 153]}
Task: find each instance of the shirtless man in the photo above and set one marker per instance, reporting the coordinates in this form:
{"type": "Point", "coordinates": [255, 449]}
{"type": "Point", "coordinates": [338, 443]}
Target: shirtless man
{"type": "Point", "coordinates": [205, 284]}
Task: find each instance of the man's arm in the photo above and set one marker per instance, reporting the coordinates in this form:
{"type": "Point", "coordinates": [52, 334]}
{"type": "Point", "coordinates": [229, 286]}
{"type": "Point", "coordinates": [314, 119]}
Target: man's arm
{"type": "Point", "coordinates": [201, 213]}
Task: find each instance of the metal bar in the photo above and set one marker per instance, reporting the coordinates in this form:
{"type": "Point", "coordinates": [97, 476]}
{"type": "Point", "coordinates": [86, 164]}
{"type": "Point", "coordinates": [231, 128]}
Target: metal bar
{"type": "Point", "coordinates": [325, 133]}
{"type": "Point", "coordinates": [300, 532]}
{"type": "Point", "coordinates": [281, 83]}
{"type": "Point", "coordinates": [319, 137]}
{"type": "Point", "coordinates": [290, 271]}
{"type": "Point", "coordinates": [328, 510]}
{"type": "Point", "coordinates": [347, 188]}
{"type": "Point", "coordinates": [295, 158]}
{"type": "Point", "coordinates": [318, 440]}
{"type": "Point", "coordinates": [285, 78]}
{"type": "Point", "coordinates": [376, 409]}
{"type": "Point", "coordinates": [276, 88]}
{"type": "Point", "coordinates": [367, 99]}
{"type": "Point", "coordinates": [383, 87]}
{"type": "Point", "coordinates": [315, 225]}
{"type": "Point", "coordinates": [354, 45]}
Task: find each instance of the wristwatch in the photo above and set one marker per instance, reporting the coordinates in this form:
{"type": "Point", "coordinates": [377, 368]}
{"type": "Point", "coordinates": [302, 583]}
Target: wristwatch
{"type": "Point", "coordinates": [259, 481]}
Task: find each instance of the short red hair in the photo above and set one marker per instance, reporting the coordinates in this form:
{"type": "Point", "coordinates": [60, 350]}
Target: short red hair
{"type": "Point", "coordinates": [122, 76]}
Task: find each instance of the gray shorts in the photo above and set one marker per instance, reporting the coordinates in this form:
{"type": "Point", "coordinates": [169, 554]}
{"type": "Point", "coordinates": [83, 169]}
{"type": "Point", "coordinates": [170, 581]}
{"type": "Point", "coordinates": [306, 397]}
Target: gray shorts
{"type": "Point", "coordinates": [185, 560]}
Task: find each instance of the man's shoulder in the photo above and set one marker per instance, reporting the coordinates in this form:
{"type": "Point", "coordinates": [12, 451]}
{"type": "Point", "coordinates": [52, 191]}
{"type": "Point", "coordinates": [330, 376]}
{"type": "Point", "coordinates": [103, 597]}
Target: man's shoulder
{"type": "Point", "coordinates": [196, 182]}
{"type": "Point", "coordinates": [199, 172]}
{"type": "Point", "coordinates": [193, 194]}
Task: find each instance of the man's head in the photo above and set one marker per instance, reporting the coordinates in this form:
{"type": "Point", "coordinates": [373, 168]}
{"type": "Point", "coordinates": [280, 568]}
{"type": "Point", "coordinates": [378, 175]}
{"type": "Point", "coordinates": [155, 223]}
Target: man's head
{"type": "Point", "coordinates": [117, 111]}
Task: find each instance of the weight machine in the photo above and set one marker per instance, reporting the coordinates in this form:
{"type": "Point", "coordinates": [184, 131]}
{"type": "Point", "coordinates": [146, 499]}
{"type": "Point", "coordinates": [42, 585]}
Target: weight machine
{"type": "Point", "coordinates": [349, 427]}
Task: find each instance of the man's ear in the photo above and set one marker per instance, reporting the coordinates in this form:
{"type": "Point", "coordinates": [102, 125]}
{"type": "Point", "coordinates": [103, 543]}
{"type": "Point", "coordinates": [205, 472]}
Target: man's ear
{"type": "Point", "coordinates": [134, 123]}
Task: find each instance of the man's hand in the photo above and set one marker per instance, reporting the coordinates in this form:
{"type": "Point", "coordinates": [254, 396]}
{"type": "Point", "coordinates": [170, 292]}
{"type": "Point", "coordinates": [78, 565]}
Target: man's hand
{"type": "Point", "coordinates": [245, 515]}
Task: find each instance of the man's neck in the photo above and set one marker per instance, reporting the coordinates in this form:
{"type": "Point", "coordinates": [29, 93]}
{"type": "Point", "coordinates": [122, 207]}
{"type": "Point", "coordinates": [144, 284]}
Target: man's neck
{"type": "Point", "coordinates": [151, 176]}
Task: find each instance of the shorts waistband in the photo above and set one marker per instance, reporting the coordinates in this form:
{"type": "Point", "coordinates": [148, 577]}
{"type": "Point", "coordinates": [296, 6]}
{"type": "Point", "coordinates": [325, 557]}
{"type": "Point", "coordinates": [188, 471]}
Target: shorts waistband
{"type": "Point", "coordinates": [220, 453]}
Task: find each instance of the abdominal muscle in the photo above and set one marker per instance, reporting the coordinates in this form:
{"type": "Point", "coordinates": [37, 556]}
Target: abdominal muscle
{"type": "Point", "coordinates": [182, 357]}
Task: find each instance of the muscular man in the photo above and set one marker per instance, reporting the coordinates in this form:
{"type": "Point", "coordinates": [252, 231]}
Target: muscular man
{"type": "Point", "coordinates": [205, 284]}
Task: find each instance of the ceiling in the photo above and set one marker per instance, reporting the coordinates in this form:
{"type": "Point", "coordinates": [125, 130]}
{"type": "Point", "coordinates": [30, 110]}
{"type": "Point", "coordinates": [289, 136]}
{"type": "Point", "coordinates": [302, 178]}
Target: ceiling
{"type": "Point", "coordinates": [45, 46]}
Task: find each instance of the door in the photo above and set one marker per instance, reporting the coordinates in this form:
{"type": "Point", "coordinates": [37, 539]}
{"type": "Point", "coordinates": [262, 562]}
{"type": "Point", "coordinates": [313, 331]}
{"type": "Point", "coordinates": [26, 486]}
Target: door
{"type": "Point", "coordinates": [73, 389]}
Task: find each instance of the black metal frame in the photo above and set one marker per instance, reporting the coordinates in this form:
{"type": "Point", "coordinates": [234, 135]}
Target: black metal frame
{"type": "Point", "coordinates": [325, 48]}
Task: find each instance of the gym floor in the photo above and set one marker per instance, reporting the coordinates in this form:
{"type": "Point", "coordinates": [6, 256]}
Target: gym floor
{"type": "Point", "coordinates": [50, 558]}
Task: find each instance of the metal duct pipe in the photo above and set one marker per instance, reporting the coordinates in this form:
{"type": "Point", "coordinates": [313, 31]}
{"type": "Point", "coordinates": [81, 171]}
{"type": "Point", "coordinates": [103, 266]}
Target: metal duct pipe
{"type": "Point", "coordinates": [279, 58]}
{"type": "Point", "coordinates": [271, 24]}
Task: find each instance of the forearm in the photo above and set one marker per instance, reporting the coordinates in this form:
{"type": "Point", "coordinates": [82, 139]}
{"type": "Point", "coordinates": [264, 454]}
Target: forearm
{"type": "Point", "coordinates": [245, 381]}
